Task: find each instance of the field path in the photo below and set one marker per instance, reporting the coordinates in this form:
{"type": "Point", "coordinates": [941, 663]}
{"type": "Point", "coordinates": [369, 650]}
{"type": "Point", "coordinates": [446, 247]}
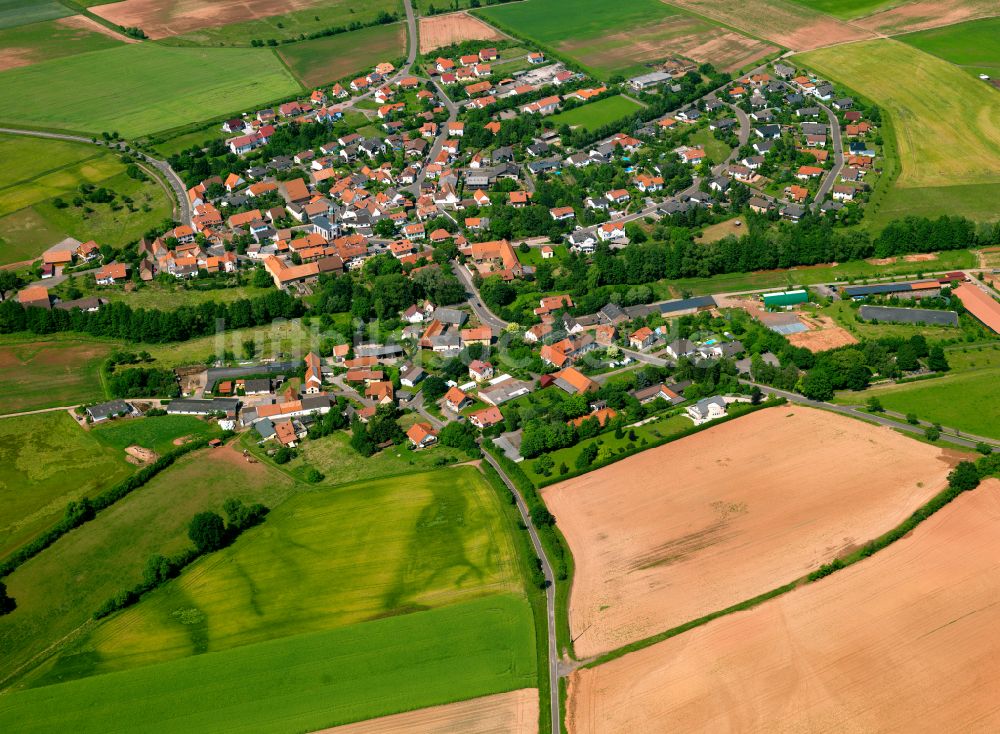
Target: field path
{"type": "Point", "coordinates": [36, 412]}
{"type": "Point", "coordinates": [176, 184]}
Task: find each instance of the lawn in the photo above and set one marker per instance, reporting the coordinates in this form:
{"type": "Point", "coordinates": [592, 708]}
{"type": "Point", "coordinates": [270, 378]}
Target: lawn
{"type": "Point", "coordinates": [856, 270]}
{"type": "Point", "coordinates": [46, 461]}
{"type": "Point", "coordinates": [325, 60]}
{"type": "Point", "coordinates": [612, 39]}
{"type": "Point", "coordinates": [972, 45]}
{"type": "Point", "coordinates": [650, 433]}
{"type": "Point", "coordinates": [158, 433]}
{"type": "Point", "coordinates": [325, 14]}
{"type": "Point", "coordinates": [53, 39]}
{"type": "Point", "coordinates": [965, 400]}
{"type": "Point", "coordinates": [946, 123]}
{"type": "Point", "coordinates": [15, 13]}
{"type": "Point", "coordinates": [153, 88]}
{"type": "Point", "coordinates": [333, 456]}
{"type": "Point", "coordinates": [597, 114]}
{"type": "Point", "coordinates": [43, 374]}
{"type": "Point", "coordinates": [716, 150]}
{"type": "Point", "coordinates": [303, 683]}
{"type": "Point", "coordinates": [323, 560]}
{"type": "Point", "coordinates": [59, 589]}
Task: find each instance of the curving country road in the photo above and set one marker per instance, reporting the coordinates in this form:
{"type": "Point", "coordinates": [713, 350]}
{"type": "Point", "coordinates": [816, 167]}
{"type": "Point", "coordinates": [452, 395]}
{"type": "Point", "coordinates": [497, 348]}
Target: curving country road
{"type": "Point", "coordinates": [168, 173]}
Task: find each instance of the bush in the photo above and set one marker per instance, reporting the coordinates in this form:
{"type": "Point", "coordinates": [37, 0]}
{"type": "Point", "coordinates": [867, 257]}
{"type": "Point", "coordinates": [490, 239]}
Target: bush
{"type": "Point", "coordinates": [283, 455]}
{"type": "Point", "coordinates": [313, 475]}
{"type": "Point", "coordinates": [984, 448]}
{"type": "Point", "coordinates": [932, 434]}
{"type": "Point", "coordinates": [912, 419]}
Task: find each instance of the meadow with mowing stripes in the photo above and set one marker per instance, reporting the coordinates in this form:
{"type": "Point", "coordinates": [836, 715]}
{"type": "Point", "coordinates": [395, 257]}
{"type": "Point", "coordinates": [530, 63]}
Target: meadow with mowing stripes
{"type": "Point", "coordinates": [46, 461]}
{"type": "Point", "coordinates": [302, 683]}
{"type": "Point", "coordinates": [324, 559]}
{"type": "Point", "coordinates": [28, 44]}
{"type": "Point", "coordinates": [597, 114]}
{"type": "Point", "coordinates": [946, 123]}
{"type": "Point", "coordinates": [59, 589]}
{"type": "Point", "coordinates": [325, 60]}
{"type": "Point", "coordinates": [153, 88]}
{"type": "Point", "coordinates": [972, 45]}
{"type": "Point", "coordinates": [15, 13]}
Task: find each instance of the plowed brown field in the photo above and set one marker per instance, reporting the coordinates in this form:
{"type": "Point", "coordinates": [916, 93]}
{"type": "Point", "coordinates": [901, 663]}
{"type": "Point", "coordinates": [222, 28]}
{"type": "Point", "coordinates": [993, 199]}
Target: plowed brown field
{"type": "Point", "coordinates": [438, 31]}
{"type": "Point", "coordinates": [905, 641]}
{"type": "Point", "coordinates": [692, 527]}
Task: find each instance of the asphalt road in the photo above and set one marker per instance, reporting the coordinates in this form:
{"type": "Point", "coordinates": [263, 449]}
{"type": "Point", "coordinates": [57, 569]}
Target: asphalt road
{"type": "Point", "coordinates": [486, 316]}
{"type": "Point", "coordinates": [838, 159]}
{"type": "Point", "coordinates": [439, 141]}
{"type": "Point", "coordinates": [550, 594]}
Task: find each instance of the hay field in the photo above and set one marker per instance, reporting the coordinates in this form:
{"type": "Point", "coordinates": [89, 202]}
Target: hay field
{"type": "Point", "coordinates": [326, 60]}
{"type": "Point", "coordinates": [972, 45]}
{"type": "Point", "coordinates": [907, 640]}
{"type": "Point", "coordinates": [947, 124]}
{"type": "Point", "coordinates": [15, 13]}
{"type": "Point", "coordinates": [692, 527]}
{"type": "Point", "coordinates": [46, 461]}
{"type": "Point", "coordinates": [303, 683]}
{"type": "Point", "coordinates": [153, 88]}
{"type": "Point", "coordinates": [324, 559]}
{"type": "Point", "coordinates": [28, 44]}
{"type": "Point", "coordinates": [438, 31]}
{"type": "Point", "coordinates": [923, 14]}
{"type": "Point", "coordinates": [44, 374]}
{"type": "Point", "coordinates": [515, 712]}
{"type": "Point", "coordinates": [615, 39]}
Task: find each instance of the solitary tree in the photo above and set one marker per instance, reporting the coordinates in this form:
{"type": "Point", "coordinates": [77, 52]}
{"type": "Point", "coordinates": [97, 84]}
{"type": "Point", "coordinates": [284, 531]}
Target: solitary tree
{"type": "Point", "coordinates": [207, 531]}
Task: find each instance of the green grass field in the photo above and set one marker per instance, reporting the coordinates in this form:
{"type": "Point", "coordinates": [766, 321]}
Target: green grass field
{"type": "Point", "coordinates": [946, 123]}
{"type": "Point", "coordinates": [46, 461]}
{"type": "Point", "coordinates": [325, 14]}
{"type": "Point", "coordinates": [24, 235]}
{"type": "Point", "coordinates": [842, 313]}
{"type": "Point", "coordinates": [59, 589]}
{"type": "Point", "coordinates": [44, 374]}
{"type": "Point", "coordinates": [15, 13]}
{"type": "Point", "coordinates": [325, 60]}
{"type": "Point", "coordinates": [153, 88]}
{"type": "Point", "coordinates": [156, 434]}
{"type": "Point", "coordinates": [597, 114]}
{"type": "Point", "coordinates": [972, 45]}
{"type": "Point", "coordinates": [334, 457]}
{"type": "Point", "coordinates": [164, 296]}
{"type": "Point", "coordinates": [51, 40]}
{"type": "Point", "coordinates": [965, 400]}
{"type": "Point", "coordinates": [610, 39]}
{"type": "Point", "coordinates": [324, 559]}
{"type": "Point", "coordinates": [976, 201]}
{"type": "Point", "coordinates": [716, 150]}
{"type": "Point", "coordinates": [303, 683]}
{"type": "Point", "coordinates": [846, 8]}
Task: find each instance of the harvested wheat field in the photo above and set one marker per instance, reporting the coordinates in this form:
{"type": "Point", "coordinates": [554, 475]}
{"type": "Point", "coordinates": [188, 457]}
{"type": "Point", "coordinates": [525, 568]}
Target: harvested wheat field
{"type": "Point", "coordinates": [439, 31]}
{"type": "Point", "coordinates": [924, 14]}
{"type": "Point", "coordinates": [907, 640]}
{"type": "Point", "coordinates": [823, 334]}
{"type": "Point", "coordinates": [694, 526]}
{"type": "Point", "coordinates": [515, 712]}
{"type": "Point", "coordinates": [162, 18]}
{"type": "Point", "coordinates": [789, 24]}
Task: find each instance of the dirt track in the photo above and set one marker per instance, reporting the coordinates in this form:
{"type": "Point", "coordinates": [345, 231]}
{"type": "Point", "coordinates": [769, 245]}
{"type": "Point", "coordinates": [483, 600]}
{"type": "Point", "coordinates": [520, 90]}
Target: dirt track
{"type": "Point", "coordinates": [505, 713]}
{"type": "Point", "coordinates": [702, 523]}
{"type": "Point", "coordinates": [906, 641]}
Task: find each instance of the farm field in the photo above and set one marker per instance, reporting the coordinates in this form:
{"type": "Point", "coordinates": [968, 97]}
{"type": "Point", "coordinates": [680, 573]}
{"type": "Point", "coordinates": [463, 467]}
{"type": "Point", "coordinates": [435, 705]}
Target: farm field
{"type": "Point", "coordinates": [947, 124]}
{"type": "Point", "coordinates": [438, 31]}
{"type": "Point", "coordinates": [160, 434]}
{"type": "Point", "coordinates": [975, 201]}
{"type": "Point", "coordinates": [333, 456]}
{"type": "Point", "coordinates": [970, 45]}
{"type": "Point", "coordinates": [155, 88]}
{"type": "Point", "coordinates": [923, 14]}
{"type": "Point", "coordinates": [46, 461]}
{"type": "Point", "coordinates": [59, 589]}
{"type": "Point", "coordinates": [615, 39]}
{"type": "Point", "coordinates": [303, 17]}
{"type": "Point", "coordinates": [905, 640]}
{"type": "Point", "coordinates": [24, 235]}
{"type": "Point", "coordinates": [45, 374]}
{"type": "Point", "coordinates": [846, 9]}
{"type": "Point", "coordinates": [28, 44]}
{"type": "Point", "coordinates": [15, 13]}
{"type": "Point", "coordinates": [964, 400]}
{"type": "Point", "coordinates": [594, 115]}
{"type": "Point", "coordinates": [729, 513]}
{"type": "Point", "coordinates": [303, 683]}
{"type": "Point", "coordinates": [313, 565]}
{"type": "Point", "coordinates": [325, 60]}
{"type": "Point", "coordinates": [515, 712]}
{"type": "Point", "coordinates": [789, 24]}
